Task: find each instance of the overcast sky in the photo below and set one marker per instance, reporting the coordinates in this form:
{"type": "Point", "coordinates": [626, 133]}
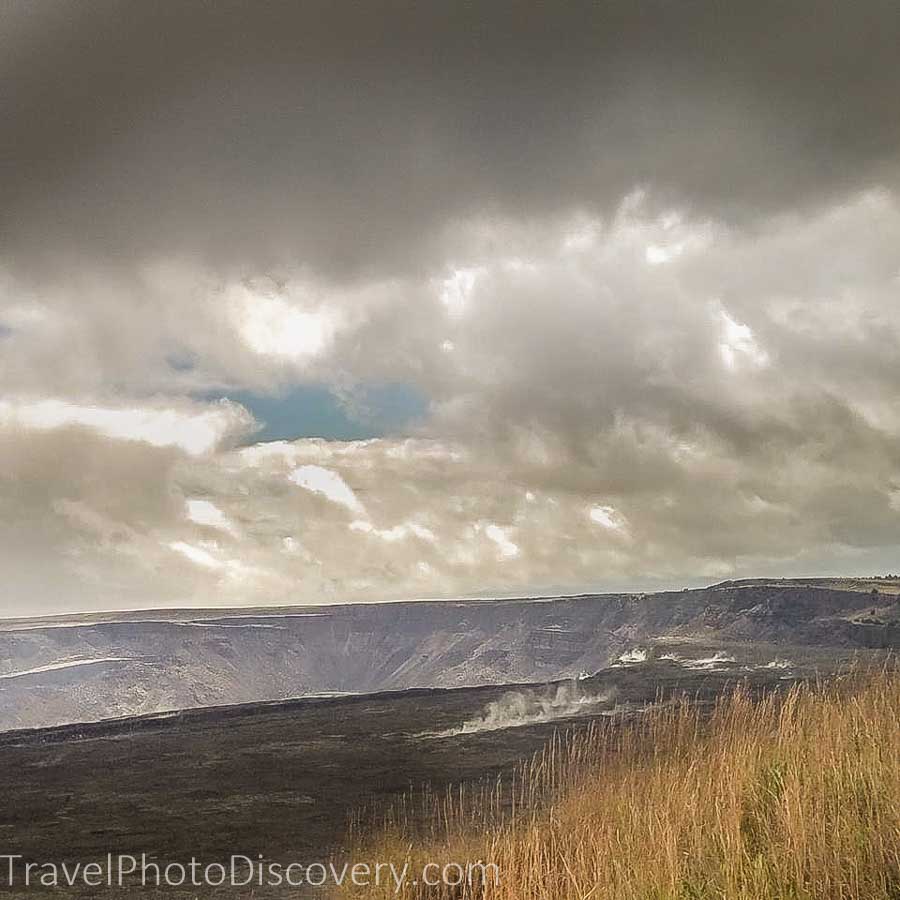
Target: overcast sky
{"type": "Point", "coordinates": [325, 301]}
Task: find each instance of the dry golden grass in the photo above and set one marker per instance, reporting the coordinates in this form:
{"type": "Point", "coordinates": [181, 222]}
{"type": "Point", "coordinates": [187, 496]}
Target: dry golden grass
{"type": "Point", "coordinates": [791, 796]}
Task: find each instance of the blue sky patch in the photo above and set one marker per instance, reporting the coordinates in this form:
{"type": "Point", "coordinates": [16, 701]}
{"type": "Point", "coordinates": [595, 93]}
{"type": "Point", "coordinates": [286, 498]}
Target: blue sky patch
{"type": "Point", "coordinates": [316, 411]}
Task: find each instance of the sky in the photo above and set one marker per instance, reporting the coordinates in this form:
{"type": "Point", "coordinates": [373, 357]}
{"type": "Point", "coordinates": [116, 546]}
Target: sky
{"type": "Point", "coordinates": [325, 301]}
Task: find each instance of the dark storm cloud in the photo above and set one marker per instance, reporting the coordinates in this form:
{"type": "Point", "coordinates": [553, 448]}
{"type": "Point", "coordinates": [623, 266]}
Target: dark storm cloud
{"type": "Point", "coordinates": [345, 136]}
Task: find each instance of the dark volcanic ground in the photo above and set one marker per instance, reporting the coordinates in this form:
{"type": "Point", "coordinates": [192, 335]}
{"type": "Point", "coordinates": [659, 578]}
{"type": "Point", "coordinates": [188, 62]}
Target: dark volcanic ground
{"type": "Point", "coordinates": [283, 779]}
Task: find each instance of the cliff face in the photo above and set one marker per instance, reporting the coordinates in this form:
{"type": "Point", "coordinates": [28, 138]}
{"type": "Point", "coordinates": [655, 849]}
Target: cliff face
{"type": "Point", "coordinates": [89, 668]}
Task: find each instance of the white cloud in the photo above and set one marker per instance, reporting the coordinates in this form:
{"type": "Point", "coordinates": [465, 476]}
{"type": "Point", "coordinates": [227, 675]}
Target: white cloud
{"type": "Point", "coordinates": [501, 537]}
{"type": "Point", "coordinates": [196, 555]}
{"type": "Point", "coordinates": [324, 481]}
{"type": "Point", "coordinates": [203, 512]}
{"type": "Point", "coordinates": [582, 235]}
{"type": "Point", "coordinates": [657, 254]}
{"type": "Point", "coordinates": [196, 430]}
{"type": "Point", "coordinates": [397, 533]}
{"type": "Point", "coordinates": [608, 517]}
{"type": "Point", "coordinates": [457, 288]}
{"type": "Point", "coordinates": [681, 239]}
{"type": "Point", "coordinates": [228, 570]}
{"type": "Point", "coordinates": [738, 343]}
{"type": "Point", "coordinates": [273, 326]}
